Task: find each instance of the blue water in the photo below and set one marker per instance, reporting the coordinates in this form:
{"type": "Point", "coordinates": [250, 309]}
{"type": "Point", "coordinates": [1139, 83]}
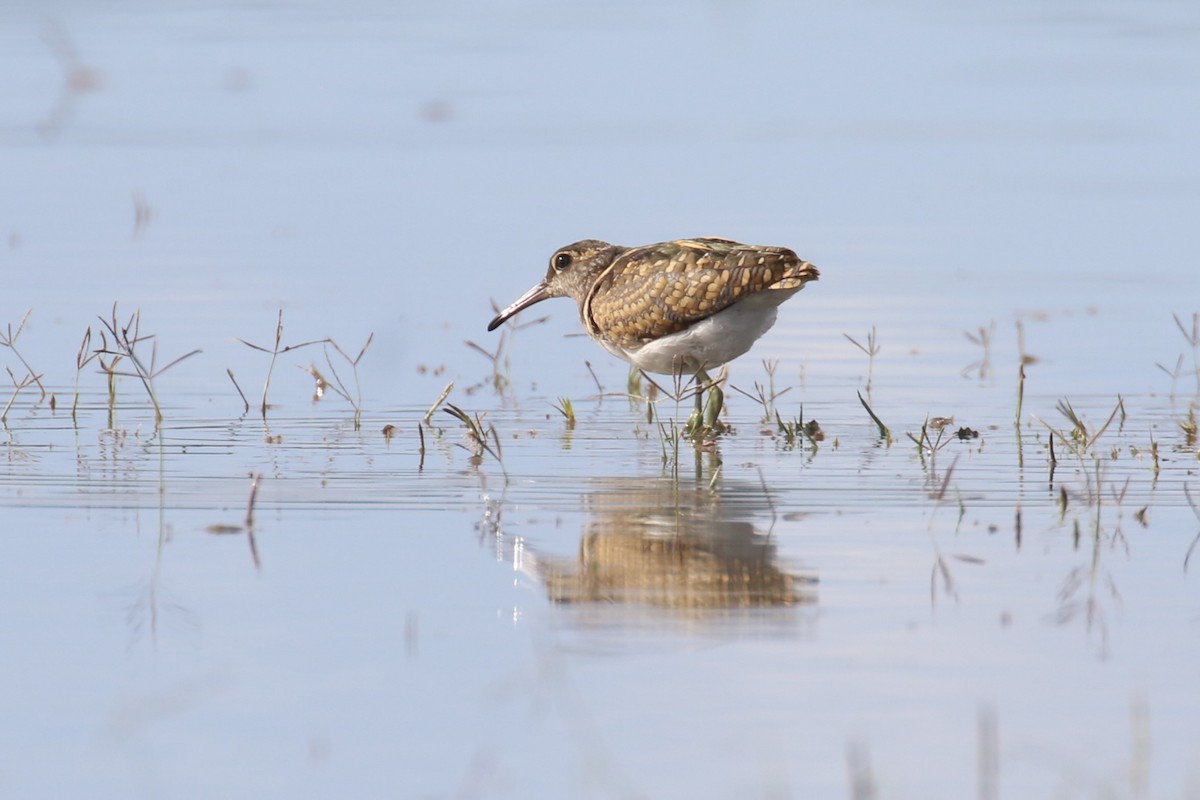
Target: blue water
{"type": "Point", "coordinates": [582, 612]}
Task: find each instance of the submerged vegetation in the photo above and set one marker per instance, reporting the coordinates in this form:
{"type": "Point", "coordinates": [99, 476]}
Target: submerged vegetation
{"type": "Point", "coordinates": [1094, 468]}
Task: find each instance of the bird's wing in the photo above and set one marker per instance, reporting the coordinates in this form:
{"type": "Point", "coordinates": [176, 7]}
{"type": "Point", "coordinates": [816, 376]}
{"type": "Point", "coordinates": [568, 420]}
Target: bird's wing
{"type": "Point", "coordinates": [663, 288]}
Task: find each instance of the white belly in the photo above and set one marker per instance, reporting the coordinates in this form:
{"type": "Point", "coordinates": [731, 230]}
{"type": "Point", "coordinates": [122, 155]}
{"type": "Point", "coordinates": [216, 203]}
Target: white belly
{"type": "Point", "coordinates": [711, 342]}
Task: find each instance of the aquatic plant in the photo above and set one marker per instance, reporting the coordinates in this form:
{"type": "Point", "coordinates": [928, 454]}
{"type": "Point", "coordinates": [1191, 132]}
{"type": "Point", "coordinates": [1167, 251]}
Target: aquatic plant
{"type": "Point", "coordinates": [31, 378]}
{"type": "Point", "coordinates": [339, 386]}
{"type": "Point", "coordinates": [871, 349]}
{"type": "Point", "coordinates": [118, 342]}
{"type": "Point", "coordinates": [766, 395]}
{"type": "Point", "coordinates": [275, 351]}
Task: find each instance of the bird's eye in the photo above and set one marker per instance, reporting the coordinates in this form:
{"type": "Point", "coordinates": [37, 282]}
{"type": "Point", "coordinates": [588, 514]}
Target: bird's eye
{"type": "Point", "coordinates": [562, 261]}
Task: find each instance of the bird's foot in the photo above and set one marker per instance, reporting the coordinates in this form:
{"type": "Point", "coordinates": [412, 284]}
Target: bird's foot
{"type": "Point", "coordinates": [705, 424]}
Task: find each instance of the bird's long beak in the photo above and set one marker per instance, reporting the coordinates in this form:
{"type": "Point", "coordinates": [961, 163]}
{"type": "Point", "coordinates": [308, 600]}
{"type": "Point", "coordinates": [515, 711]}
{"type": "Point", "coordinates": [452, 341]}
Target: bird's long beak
{"type": "Point", "coordinates": [535, 295]}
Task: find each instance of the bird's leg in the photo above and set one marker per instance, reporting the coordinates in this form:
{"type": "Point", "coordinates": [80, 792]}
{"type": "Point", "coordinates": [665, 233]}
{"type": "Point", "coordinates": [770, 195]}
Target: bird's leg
{"type": "Point", "coordinates": [702, 380]}
{"type": "Point", "coordinates": [706, 418]}
{"type": "Point", "coordinates": [712, 412]}
{"type": "Point", "coordinates": [716, 402]}
{"type": "Point", "coordinates": [696, 420]}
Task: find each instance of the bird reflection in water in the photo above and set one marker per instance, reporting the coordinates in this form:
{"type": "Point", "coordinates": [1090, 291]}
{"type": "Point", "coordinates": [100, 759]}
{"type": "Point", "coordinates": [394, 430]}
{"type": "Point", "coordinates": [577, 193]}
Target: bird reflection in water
{"type": "Point", "coordinates": [676, 547]}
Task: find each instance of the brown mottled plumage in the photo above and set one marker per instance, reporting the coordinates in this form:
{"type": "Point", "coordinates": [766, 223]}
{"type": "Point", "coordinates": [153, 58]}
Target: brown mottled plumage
{"type": "Point", "coordinates": [646, 304]}
{"type": "Point", "coordinates": [660, 289]}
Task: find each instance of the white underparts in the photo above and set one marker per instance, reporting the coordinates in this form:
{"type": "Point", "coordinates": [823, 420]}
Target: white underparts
{"type": "Point", "coordinates": [711, 342]}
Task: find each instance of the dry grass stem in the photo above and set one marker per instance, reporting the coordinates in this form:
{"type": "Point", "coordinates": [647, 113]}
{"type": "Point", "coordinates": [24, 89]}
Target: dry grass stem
{"type": "Point", "coordinates": [437, 403]}
{"type": "Point", "coordinates": [275, 352]}
{"type": "Point", "coordinates": [595, 380]}
{"type": "Point", "coordinates": [18, 386]}
{"type": "Point", "coordinates": [9, 339]}
{"type": "Point", "coordinates": [125, 343]}
{"type": "Point", "coordinates": [339, 386]}
{"type": "Point", "coordinates": [241, 394]}
{"type": "Point", "coordinates": [871, 349]}
{"type": "Point", "coordinates": [766, 396]}
{"type": "Point", "coordinates": [478, 435]}
{"type": "Point", "coordinates": [83, 357]}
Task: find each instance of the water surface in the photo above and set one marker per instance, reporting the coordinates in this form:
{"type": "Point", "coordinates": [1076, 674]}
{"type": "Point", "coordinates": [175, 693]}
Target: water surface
{"type": "Point", "coordinates": [587, 611]}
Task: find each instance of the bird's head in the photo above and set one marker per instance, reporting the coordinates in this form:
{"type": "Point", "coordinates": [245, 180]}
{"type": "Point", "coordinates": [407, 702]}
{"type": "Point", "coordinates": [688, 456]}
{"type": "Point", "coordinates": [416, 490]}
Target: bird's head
{"type": "Point", "coordinates": [572, 272]}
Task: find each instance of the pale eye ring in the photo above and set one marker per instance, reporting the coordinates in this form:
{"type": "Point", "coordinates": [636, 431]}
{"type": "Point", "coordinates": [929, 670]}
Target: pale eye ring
{"type": "Point", "coordinates": [562, 261]}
